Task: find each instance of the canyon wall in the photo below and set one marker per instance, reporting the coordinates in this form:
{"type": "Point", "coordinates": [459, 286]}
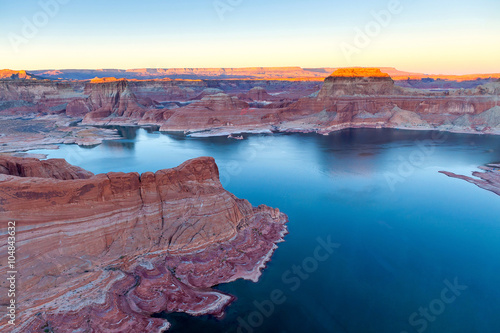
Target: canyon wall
{"type": "Point", "coordinates": [370, 98]}
{"type": "Point", "coordinates": [350, 97]}
{"type": "Point", "coordinates": [103, 253]}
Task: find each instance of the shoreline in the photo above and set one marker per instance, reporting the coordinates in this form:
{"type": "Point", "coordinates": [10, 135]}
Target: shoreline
{"type": "Point", "coordinates": [55, 142]}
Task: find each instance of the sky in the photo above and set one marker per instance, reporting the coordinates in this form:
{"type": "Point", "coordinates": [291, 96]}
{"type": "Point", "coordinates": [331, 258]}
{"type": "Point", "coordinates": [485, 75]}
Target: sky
{"type": "Point", "coordinates": [427, 36]}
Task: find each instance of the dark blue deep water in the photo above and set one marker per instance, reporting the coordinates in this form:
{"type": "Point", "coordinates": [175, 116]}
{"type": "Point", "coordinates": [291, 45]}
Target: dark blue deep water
{"type": "Point", "coordinates": [415, 251]}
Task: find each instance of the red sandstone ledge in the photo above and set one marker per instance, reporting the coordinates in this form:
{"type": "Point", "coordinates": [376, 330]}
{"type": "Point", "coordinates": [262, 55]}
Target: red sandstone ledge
{"type": "Point", "coordinates": [103, 253]}
{"type": "Point", "coordinates": [359, 72]}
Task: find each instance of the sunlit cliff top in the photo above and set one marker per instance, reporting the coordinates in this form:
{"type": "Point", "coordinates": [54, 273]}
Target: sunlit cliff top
{"type": "Point", "coordinates": [359, 72]}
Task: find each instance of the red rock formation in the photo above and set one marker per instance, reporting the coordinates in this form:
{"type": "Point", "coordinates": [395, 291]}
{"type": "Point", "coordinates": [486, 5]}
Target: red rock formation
{"type": "Point", "coordinates": [256, 94]}
{"type": "Point", "coordinates": [32, 167]}
{"type": "Point", "coordinates": [213, 112]}
{"type": "Point", "coordinates": [32, 96]}
{"type": "Point", "coordinates": [8, 74]}
{"type": "Point", "coordinates": [350, 97]}
{"type": "Point", "coordinates": [359, 72]}
{"type": "Point", "coordinates": [103, 253]}
{"type": "Point", "coordinates": [488, 180]}
{"type": "Point", "coordinates": [104, 79]}
{"type": "Point", "coordinates": [111, 97]}
{"type": "Point", "coordinates": [77, 108]}
{"type": "Point", "coordinates": [368, 98]}
{"type": "Point", "coordinates": [357, 81]}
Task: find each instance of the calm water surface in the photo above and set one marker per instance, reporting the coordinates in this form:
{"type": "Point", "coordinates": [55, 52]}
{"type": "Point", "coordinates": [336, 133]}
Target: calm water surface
{"type": "Point", "coordinates": [401, 229]}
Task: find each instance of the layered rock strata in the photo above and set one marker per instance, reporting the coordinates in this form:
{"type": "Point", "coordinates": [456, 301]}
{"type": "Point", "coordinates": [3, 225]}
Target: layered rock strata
{"type": "Point", "coordinates": [349, 98]}
{"type": "Point", "coordinates": [353, 98]}
{"type": "Point", "coordinates": [103, 253]}
{"type": "Point", "coordinates": [47, 132]}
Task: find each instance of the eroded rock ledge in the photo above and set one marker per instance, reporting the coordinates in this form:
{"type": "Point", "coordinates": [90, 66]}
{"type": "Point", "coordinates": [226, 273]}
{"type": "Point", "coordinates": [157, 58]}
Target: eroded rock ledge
{"type": "Point", "coordinates": [103, 253]}
{"type": "Point", "coordinates": [488, 180]}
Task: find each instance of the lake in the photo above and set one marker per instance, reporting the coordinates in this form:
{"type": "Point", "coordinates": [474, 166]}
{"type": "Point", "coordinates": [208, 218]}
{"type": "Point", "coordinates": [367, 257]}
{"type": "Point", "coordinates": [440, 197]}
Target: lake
{"type": "Point", "coordinates": [413, 250]}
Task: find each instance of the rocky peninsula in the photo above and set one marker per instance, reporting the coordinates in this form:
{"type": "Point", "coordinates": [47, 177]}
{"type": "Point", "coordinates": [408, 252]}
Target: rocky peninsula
{"type": "Point", "coordinates": [104, 253]}
{"type": "Point", "coordinates": [489, 179]}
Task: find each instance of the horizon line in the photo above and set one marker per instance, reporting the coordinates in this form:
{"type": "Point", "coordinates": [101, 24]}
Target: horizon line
{"type": "Point", "coordinates": [253, 67]}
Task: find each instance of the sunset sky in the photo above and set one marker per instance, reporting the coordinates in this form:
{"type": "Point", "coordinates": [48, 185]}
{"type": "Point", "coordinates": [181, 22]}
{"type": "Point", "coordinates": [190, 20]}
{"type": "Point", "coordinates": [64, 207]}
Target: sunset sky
{"type": "Point", "coordinates": [445, 37]}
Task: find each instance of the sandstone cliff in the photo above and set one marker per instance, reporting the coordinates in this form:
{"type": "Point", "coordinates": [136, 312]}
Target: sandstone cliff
{"type": "Point", "coordinates": [354, 81]}
{"type": "Point", "coordinates": [211, 112]}
{"type": "Point", "coordinates": [111, 98]}
{"type": "Point", "coordinates": [348, 98]}
{"type": "Point", "coordinates": [361, 97]}
{"type": "Point", "coordinates": [102, 253]}
{"type": "Point", "coordinates": [8, 74]}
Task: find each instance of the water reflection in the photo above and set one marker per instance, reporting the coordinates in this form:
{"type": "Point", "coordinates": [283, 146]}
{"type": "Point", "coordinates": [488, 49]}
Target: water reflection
{"type": "Point", "coordinates": [121, 145]}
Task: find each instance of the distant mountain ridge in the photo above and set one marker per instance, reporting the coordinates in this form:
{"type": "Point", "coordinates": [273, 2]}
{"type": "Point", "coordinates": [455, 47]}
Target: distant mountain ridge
{"type": "Point", "coordinates": [250, 73]}
{"type": "Point", "coordinates": [8, 74]}
{"type": "Point", "coordinates": [245, 73]}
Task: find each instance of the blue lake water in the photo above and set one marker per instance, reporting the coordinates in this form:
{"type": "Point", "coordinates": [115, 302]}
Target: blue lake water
{"type": "Point", "coordinates": [404, 233]}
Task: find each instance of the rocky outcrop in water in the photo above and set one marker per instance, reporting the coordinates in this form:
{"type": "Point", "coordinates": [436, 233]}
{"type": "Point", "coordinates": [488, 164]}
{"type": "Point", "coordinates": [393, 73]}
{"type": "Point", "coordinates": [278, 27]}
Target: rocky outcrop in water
{"type": "Point", "coordinates": [489, 179]}
{"type": "Point", "coordinates": [211, 111]}
{"type": "Point", "coordinates": [103, 253]}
